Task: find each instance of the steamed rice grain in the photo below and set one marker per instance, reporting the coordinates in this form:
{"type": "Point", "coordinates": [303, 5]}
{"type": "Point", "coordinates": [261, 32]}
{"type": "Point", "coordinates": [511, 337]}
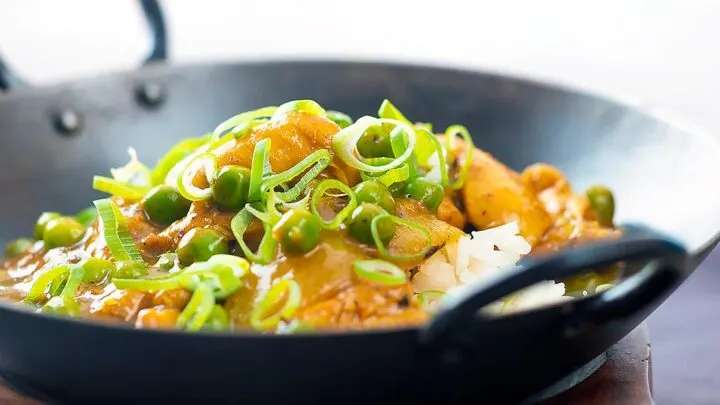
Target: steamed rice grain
{"type": "Point", "coordinates": [481, 255]}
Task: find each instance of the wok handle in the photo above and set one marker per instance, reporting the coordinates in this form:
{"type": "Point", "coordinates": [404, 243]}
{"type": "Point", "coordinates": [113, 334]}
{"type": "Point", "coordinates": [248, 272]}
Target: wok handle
{"type": "Point", "coordinates": [665, 266]}
{"type": "Point", "coordinates": [158, 48]}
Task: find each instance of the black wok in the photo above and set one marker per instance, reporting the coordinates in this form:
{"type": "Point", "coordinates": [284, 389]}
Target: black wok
{"type": "Point", "coordinates": [53, 139]}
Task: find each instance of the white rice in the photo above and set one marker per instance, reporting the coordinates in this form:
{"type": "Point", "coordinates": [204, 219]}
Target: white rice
{"type": "Point", "coordinates": [482, 255]}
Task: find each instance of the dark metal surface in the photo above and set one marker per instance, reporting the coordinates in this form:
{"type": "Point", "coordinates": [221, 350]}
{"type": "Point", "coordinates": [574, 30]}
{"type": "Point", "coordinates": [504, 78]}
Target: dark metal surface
{"type": "Point", "coordinates": [158, 47]}
{"type": "Point", "coordinates": [520, 122]}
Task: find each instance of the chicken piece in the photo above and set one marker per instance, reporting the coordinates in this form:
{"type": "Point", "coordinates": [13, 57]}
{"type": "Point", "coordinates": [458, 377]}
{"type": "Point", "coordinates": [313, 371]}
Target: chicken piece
{"type": "Point", "coordinates": [450, 213]}
{"type": "Point", "coordinates": [122, 304]}
{"type": "Point", "coordinates": [365, 305]}
{"type": "Point", "coordinates": [293, 137]}
{"type": "Point", "coordinates": [574, 220]}
{"type": "Point", "coordinates": [494, 195]}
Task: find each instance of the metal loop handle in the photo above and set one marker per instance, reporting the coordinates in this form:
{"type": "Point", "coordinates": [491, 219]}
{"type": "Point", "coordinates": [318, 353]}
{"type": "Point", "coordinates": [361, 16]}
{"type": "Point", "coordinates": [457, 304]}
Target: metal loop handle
{"type": "Point", "coordinates": [158, 52]}
{"type": "Point", "coordinates": [665, 267]}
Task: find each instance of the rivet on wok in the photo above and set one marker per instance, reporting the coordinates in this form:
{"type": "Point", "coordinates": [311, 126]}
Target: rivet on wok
{"type": "Point", "coordinates": [67, 122]}
{"type": "Point", "coordinates": [150, 94]}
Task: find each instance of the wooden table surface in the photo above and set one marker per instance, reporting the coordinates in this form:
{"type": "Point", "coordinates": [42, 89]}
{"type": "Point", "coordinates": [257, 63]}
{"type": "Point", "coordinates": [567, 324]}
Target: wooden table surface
{"type": "Point", "coordinates": [624, 379]}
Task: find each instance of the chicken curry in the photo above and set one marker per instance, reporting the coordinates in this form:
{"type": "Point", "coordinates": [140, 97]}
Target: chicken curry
{"type": "Point", "coordinates": [287, 219]}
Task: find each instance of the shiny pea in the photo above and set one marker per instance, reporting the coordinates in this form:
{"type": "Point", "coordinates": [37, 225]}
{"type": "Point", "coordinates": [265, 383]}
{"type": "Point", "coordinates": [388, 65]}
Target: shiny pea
{"type": "Point", "coordinates": [230, 187]}
{"type": "Point", "coordinates": [359, 224]}
{"type": "Point", "coordinates": [17, 247]}
{"type": "Point", "coordinates": [42, 221]}
{"type": "Point", "coordinates": [96, 269]}
{"type": "Point", "coordinates": [165, 205]}
{"type": "Point", "coordinates": [429, 193]}
{"type": "Point", "coordinates": [87, 216]}
{"type": "Point", "coordinates": [298, 231]}
{"type": "Point", "coordinates": [375, 143]}
{"type": "Point", "coordinates": [200, 244]}
{"type": "Point", "coordinates": [603, 203]}
{"type": "Point", "coordinates": [375, 192]}
{"type": "Point", "coordinates": [62, 231]}
{"type": "Point", "coordinates": [129, 269]}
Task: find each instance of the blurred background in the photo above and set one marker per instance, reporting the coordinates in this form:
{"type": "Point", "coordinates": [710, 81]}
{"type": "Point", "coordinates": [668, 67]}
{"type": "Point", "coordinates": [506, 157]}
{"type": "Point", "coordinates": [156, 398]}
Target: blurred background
{"type": "Point", "coordinates": [661, 52]}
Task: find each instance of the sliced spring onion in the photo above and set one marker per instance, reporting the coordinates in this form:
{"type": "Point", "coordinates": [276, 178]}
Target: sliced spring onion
{"type": "Point", "coordinates": [389, 111]}
{"type": "Point", "coordinates": [266, 251]}
{"type": "Point", "coordinates": [219, 277]}
{"type": "Point", "coordinates": [259, 168]}
{"type": "Point", "coordinates": [398, 142]}
{"type": "Point", "coordinates": [218, 320]}
{"type": "Point", "coordinates": [177, 153]}
{"type": "Point", "coordinates": [341, 119]}
{"type": "Point", "coordinates": [257, 210]}
{"type": "Point", "coordinates": [345, 144]}
{"type": "Point", "coordinates": [41, 284]}
{"type": "Point", "coordinates": [311, 166]}
{"type": "Point", "coordinates": [208, 163]}
{"type": "Point", "coordinates": [382, 249]}
{"type": "Point", "coordinates": [134, 172]}
{"type": "Point", "coordinates": [148, 284]}
{"type": "Point", "coordinates": [428, 299]}
{"type": "Point", "coordinates": [116, 233]}
{"type": "Point", "coordinates": [236, 120]}
{"type": "Point", "coordinates": [114, 187]}
{"type": "Point", "coordinates": [197, 310]}
{"type": "Point", "coordinates": [242, 129]}
{"type": "Point", "coordinates": [396, 175]}
{"type": "Point", "coordinates": [344, 213]}
{"type": "Point", "coordinates": [424, 125]}
{"type": "Point", "coordinates": [450, 135]}
{"type": "Point", "coordinates": [240, 267]}
{"type": "Point", "coordinates": [73, 283]}
{"type": "Point", "coordinates": [380, 272]}
{"type": "Point", "coordinates": [280, 303]}
{"type": "Point", "coordinates": [307, 106]}
{"type": "Point", "coordinates": [57, 285]}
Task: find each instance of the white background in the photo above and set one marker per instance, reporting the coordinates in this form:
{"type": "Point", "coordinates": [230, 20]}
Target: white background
{"type": "Point", "coordinates": [662, 51]}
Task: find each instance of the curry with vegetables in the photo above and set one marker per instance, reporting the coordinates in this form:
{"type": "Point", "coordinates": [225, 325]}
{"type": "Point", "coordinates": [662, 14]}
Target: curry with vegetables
{"type": "Point", "coordinates": [294, 218]}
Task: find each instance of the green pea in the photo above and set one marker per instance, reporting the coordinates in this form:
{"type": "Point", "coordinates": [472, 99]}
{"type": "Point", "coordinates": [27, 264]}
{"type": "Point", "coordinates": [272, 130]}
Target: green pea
{"type": "Point", "coordinates": [375, 192]}
{"type": "Point", "coordinates": [96, 269]}
{"type": "Point", "coordinates": [230, 187]}
{"type": "Point", "coordinates": [61, 306]}
{"type": "Point", "coordinates": [87, 216]}
{"type": "Point", "coordinates": [429, 193]}
{"type": "Point", "coordinates": [603, 203]}
{"type": "Point", "coordinates": [165, 205]}
{"type": "Point", "coordinates": [167, 261]}
{"type": "Point", "coordinates": [375, 143]}
{"type": "Point", "coordinates": [218, 320]}
{"type": "Point", "coordinates": [42, 221]}
{"type": "Point", "coordinates": [17, 247]}
{"type": "Point", "coordinates": [62, 231]}
{"type": "Point", "coordinates": [200, 244]}
{"type": "Point", "coordinates": [359, 224]}
{"type": "Point", "coordinates": [129, 269]}
{"type": "Point", "coordinates": [298, 231]}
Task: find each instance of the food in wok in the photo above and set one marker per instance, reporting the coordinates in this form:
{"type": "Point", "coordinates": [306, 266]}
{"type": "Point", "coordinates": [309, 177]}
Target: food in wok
{"type": "Point", "coordinates": [294, 218]}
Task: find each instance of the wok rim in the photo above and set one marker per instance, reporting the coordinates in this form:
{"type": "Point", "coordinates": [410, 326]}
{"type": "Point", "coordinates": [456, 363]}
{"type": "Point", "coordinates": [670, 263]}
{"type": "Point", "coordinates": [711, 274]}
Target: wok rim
{"type": "Point", "coordinates": [624, 100]}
